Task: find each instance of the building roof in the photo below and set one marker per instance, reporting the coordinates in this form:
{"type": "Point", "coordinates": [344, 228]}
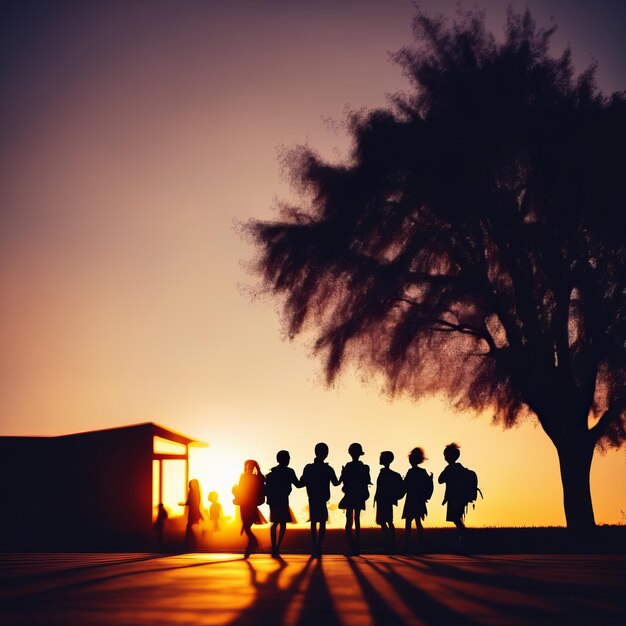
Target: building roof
{"type": "Point", "coordinates": [151, 428]}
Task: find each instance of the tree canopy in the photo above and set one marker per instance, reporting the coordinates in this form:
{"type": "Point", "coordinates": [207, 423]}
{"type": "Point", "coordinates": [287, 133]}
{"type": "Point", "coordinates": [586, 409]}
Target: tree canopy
{"type": "Point", "coordinates": [474, 242]}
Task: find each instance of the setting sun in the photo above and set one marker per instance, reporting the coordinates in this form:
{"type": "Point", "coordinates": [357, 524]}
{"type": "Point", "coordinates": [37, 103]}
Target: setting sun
{"type": "Point", "coordinates": [217, 470]}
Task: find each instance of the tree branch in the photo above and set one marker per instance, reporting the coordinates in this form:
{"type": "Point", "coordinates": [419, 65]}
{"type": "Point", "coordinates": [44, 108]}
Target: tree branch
{"type": "Point", "coordinates": [611, 414]}
{"type": "Point", "coordinates": [440, 325]}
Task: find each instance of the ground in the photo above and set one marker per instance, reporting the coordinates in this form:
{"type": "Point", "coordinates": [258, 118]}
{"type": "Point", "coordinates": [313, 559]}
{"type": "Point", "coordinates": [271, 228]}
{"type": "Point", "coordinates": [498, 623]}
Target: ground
{"type": "Point", "coordinates": [372, 590]}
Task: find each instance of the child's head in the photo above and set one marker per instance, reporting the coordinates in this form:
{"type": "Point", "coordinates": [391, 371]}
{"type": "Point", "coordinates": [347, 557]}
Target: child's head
{"type": "Point", "coordinates": [355, 450]}
{"type": "Point", "coordinates": [321, 451]}
{"type": "Point", "coordinates": [452, 452]}
{"type": "Point", "coordinates": [416, 456]}
{"type": "Point", "coordinates": [283, 458]}
{"type": "Point", "coordinates": [213, 497]}
{"type": "Point", "coordinates": [386, 458]}
{"type": "Point", "coordinates": [251, 467]}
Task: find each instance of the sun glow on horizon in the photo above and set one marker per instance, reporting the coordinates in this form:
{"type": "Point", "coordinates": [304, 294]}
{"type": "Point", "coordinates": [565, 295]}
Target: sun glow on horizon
{"type": "Point", "coordinates": [217, 469]}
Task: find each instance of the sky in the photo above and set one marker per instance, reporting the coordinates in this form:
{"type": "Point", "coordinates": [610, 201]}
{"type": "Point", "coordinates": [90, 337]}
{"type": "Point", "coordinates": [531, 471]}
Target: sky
{"type": "Point", "coordinates": [134, 138]}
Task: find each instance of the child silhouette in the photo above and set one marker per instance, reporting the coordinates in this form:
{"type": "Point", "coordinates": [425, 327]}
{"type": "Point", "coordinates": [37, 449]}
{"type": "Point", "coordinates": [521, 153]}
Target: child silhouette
{"type": "Point", "coordinates": [452, 477]}
{"type": "Point", "coordinates": [355, 477]}
{"type": "Point", "coordinates": [418, 486]}
{"type": "Point", "coordinates": [159, 524]}
{"type": "Point", "coordinates": [389, 489]}
{"type": "Point", "coordinates": [278, 485]}
{"type": "Point", "coordinates": [249, 494]}
{"type": "Point", "coordinates": [194, 512]}
{"type": "Point", "coordinates": [317, 478]}
{"type": "Point", "coordinates": [215, 512]}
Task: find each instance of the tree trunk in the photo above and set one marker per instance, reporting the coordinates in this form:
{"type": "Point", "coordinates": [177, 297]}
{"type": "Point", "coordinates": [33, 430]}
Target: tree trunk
{"type": "Point", "coordinates": [575, 455]}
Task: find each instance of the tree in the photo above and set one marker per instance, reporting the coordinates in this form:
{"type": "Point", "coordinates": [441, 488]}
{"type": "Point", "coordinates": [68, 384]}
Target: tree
{"type": "Point", "coordinates": [473, 244]}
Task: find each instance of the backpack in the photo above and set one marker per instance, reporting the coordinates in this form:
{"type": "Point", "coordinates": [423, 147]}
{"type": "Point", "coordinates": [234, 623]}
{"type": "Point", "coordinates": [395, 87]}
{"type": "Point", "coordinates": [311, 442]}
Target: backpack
{"type": "Point", "coordinates": [397, 487]}
{"type": "Point", "coordinates": [469, 487]}
{"type": "Point", "coordinates": [428, 486]}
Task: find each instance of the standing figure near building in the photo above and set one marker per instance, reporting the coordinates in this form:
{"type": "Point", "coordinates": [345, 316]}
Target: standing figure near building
{"type": "Point", "coordinates": [453, 476]}
{"type": "Point", "coordinates": [389, 489]}
{"type": "Point", "coordinates": [355, 476]}
{"type": "Point", "coordinates": [194, 512]}
{"type": "Point", "coordinates": [317, 478]}
{"type": "Point", "coordinates": [249, 494]}
{"type": "Point", "coordinates": [159, 524]}
{"type": "Point", "coordinates": [215, 513]}
{"type": "Point", "coordinates": [278, 485]}
{"type": "Point", "coordinates": [418, 486]}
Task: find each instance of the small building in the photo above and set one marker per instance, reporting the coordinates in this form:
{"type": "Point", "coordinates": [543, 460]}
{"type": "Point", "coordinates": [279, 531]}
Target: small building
{"type": "Point", "coordinates": [95, 489]}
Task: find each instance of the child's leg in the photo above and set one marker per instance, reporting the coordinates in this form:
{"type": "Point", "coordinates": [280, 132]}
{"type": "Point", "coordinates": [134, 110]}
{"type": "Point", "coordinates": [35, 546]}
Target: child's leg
{"type": "Point", "coordinates": [392, 537]}
{"type": "Point", "coordinates": [189, 537]}
{"type": "Point", "coordinates": [419, 532]}
{"type": "Point", "coordinates": [273, 535]}
{"type": "Point", "coordinates": [252, 542]}
{"type": "Point", "coordinates": [282, 527]}
{"type": "Point", "coordinates": [357, 529]}
{"type": "Point", "coordinates": [349, 522]}
{"type": "Point", "coordinates": [383, 531]}
{"type": "Point", "coordinates": [320, 538]}
{"type": "Point", "coordinates": [314, 539]}
{"type": "Point", "coordinates": [407, 532]}
{"type": "Point", "coordinates": [460, 527]}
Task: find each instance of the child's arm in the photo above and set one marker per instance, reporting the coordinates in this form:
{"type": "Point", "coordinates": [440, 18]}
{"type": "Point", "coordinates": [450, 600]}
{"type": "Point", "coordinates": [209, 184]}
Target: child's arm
{"type": "Point", "coordinates": [443, 476]}
{"type": "Point", "coordinates": [295, 482]}
{"type": "Point", "coordinates": [333, 478]}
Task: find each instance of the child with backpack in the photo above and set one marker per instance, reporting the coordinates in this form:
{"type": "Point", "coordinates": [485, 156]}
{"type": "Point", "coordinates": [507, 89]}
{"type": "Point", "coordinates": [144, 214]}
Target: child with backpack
{"type": "Point", "coordinates": [461, 488]}
{"type": "Point", "coordinates": [389, 489]}
{"type": "Point", "coordinates": [278, 485]}
{"type": "Point", "coordinates": [249, 494]}
{"type": "Point", "coordinates": [418, 486]}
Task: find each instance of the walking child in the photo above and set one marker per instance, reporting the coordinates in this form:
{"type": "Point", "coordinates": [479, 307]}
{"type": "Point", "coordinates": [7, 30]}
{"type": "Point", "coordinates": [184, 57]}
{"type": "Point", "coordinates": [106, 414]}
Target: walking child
{"type": "Point", "coordinates": [418, 486]}
{"type": "Point", "coordinates": [278, 485]}
{"type": "Point", "coordinates": [249, 494]}
{"type": "Point", "coordinates": [355, 476]}
{"type": "Point", "coordinates": [195, 512]}
{"type": "Point", "coordinates": [389, 489]}
{"type": "Point", "coordinates": [453, 477]}
{"type": "Point", "coordinates": [317, 478]}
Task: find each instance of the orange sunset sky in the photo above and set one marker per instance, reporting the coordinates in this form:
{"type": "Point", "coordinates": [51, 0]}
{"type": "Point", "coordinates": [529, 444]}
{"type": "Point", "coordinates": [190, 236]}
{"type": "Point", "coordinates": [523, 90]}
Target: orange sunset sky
{"type": "Point", "coordinates": [134, 137]}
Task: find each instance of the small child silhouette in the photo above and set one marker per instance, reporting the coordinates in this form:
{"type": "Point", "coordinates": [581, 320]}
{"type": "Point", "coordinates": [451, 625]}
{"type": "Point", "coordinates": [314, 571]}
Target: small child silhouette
{"type": "Point", "coordinates": [418, 486]}
{"type": "Point", "coordinates": [249, 494]}
{"type": "Point", "coordinates": [160, 522]}
{"type": "Point", "coordinates": [355, 477]}
{"type": "Point", "coordinates": [452, 476]}
{"type": "Point", "coordinates": [389, 489]}
{"type": "Point", "coordinates": [278, 485]}
{"type": "Point", "coordinates": [317, 478]}
{"type": "Point", "coordinates": [215, 512]}
{"type": "Point", "coordinates": [195, 512]}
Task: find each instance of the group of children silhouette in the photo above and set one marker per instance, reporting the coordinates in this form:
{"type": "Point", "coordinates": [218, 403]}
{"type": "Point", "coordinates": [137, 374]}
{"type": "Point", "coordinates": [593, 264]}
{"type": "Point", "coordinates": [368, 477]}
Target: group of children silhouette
{"type": "Point", "coordinates": [317, 477]}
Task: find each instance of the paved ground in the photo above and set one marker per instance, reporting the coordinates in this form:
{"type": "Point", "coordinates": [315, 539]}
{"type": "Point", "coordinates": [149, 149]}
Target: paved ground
{"type": "Point", "coordinates": [223, 589]}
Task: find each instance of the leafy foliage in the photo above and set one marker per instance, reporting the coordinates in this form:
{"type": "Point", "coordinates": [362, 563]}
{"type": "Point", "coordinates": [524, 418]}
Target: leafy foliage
{"type": "Point", "coordinates": [474, 242]}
